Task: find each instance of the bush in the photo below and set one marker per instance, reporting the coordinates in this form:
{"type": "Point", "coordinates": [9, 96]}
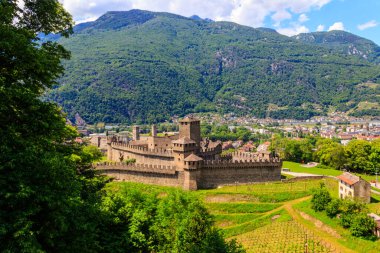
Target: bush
{"type": "Point", "coordinates": [350, 210]}
{"type": "Point", "coordinates": [346, 219]}
{"type": "Point", "coordinates": [333, 208]}
{"type": "Point", "coordinates": [362, 226]}
{"type": "Point", "coordinates": [321, 198]}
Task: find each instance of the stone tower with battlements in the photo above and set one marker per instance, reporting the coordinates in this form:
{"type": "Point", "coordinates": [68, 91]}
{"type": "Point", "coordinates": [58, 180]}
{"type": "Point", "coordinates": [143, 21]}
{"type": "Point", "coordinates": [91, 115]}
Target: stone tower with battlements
{"type": "Point", "coordinates": [191, 128]}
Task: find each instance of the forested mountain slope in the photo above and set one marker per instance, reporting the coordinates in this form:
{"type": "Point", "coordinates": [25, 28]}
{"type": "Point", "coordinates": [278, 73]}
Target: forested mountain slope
{"type": "Point", "coordinates": [140, 66]}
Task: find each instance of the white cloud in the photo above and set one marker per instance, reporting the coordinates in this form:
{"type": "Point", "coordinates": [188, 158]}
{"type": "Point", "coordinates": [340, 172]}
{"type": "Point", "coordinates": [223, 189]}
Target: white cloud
{"type": "Point", "coordinates": [246, 12]}
{"type": "Point", "coordinates": [293, 30]}
{"type": "Point", "coordinates": [303, 18]}
{"type": "Point", "coordinates": [336, 26]}
{"type": "Point", "coordinates": [367, 25]}
{"type": "Point", "coordinates": [320, 28]}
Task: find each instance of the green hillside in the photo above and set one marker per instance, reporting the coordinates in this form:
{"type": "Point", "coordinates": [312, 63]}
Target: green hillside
{"type": "Point", "coordinates": [140, 66]}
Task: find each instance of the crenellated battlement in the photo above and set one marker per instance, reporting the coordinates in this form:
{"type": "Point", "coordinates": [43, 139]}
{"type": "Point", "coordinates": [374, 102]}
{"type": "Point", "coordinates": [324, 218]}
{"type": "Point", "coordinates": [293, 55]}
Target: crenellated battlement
{"type": "Point", "coordinates": [259, 163]}
{"type": "Point", "coordinates": [147, 168]}
{"type": "Point", "coordinates": [141, 150]}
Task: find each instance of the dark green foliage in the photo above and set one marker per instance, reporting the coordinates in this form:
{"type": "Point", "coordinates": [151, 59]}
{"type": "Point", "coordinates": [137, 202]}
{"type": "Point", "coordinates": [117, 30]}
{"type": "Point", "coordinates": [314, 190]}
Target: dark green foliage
{"type": "Point", "coordinates": [363, 226]}
{"type": "Point", "coordinates": [358, 153]}
{"type": "Point", "coordinates": [293, 150]}
{"type": "Point", "coordinates": [222, 133]}
{"type": "Point", "coordinates": [358, 156]}
{"type": "Point", "coordinates": [140, 221]}
{"type": "Point", "coordinates": [50, 196]}
{"type": "Point", "coordinates": [48, 190]}
{"type": "Point", "coordinates": [321, 198]}
{"type": "Point", "coordinates": [349, 209]}
{"type": "Point", "coordinates": [333, 208]}
{"type": "Point", "coordinates": [140, 66]}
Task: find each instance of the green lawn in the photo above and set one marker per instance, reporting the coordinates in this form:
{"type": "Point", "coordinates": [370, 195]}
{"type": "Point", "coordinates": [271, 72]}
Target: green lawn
{"type": "Point", "coordinates": [297, 167]}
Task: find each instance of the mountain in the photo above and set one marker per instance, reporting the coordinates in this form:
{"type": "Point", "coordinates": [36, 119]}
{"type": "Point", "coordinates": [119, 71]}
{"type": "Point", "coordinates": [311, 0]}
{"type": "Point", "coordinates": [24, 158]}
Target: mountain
{"type": "Point", "coordinates": [141, 66]}
{"type": "Point", "coordinates": [344, 42]}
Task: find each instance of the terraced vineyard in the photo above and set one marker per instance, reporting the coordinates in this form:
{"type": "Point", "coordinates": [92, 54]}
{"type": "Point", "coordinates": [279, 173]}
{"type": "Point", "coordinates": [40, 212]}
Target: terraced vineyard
{"type": "Point", "coordinates": [258, 216]}
{"type": "Point", "coordinates": [288, 236]}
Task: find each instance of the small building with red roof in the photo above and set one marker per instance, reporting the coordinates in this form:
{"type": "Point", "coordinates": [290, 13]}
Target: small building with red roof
{"type": "Point", "coordinates": [352, 186]}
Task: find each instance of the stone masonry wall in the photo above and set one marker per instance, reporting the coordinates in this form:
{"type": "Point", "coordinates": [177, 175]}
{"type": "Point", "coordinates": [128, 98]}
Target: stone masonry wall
{"type": "Point", "coordinates": [142, 155]}
{"type": "Point", "coordinates": [231, 173]}
{"type": "Point", "coordinates": [157, 175]}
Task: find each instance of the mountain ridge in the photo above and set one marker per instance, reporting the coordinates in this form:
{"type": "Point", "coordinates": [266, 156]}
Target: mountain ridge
{"type": "Point", "coordinates": [141, 66]}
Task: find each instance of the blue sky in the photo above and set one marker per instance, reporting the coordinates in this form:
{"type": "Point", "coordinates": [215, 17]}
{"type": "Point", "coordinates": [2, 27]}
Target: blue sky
{"type": "Point", "coordinates": [289, 17]}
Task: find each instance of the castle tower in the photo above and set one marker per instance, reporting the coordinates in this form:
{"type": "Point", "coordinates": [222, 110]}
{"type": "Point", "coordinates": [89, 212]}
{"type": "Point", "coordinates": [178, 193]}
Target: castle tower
{"type": "Point", "coordinates": [191, 173]}
{"type": "Point", "coordinates": [190, 127]}
{"type": "Point", "coordinates": [154, 131]}
{"type": "Point", "coordinates": [136, 133]}
{"type": "Point", "coordinates": [182, 148]}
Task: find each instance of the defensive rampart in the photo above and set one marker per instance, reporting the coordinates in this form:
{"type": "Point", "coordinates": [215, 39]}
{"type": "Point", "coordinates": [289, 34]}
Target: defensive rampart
{"type": "Point", "coordinates": [228, 172]}
{"type": "Point", "coordinates": [143, 173]}
{"type": "Point", "coordinates": [142, 154]}
{"type": "Point", "coordinates": [204, 174]}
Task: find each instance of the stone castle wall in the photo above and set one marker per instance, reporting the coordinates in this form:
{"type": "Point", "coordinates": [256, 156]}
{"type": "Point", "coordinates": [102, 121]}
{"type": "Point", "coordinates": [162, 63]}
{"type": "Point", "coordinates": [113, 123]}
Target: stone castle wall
{"type": "Point", "coordinates": [147, 174]}
{"type": "Point", "coordinates": [142, 154]}
{"type": "Point", "coordinates": [209, 174]}
{"type": "Point", "coordinates": [217, 173]}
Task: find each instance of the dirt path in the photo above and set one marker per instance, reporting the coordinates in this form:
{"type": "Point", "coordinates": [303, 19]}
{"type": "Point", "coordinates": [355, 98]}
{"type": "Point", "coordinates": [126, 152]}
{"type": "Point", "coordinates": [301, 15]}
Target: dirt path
{"type": "Point", "coordinates": [316, 226]}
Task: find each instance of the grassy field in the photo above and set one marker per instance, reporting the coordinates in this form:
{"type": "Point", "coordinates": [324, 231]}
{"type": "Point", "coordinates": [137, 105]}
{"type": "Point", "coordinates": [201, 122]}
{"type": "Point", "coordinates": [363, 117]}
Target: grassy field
{"type": "Point", "coordinates": [262, 218]}
{"type": "Point", "coordinates": [297, 167]}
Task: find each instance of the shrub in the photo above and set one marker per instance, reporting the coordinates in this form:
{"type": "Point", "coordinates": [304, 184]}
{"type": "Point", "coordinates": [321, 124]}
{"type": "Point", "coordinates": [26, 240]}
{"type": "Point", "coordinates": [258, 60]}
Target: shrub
{"type": "Point", "coordinates": [333, 208]}
{"type": "Point", "coordinates": [362, 226]}
{"type": "Point", "coordinates": [350, 210]}
{"type": "Point", "coordinates": [321, 198]}
{"type": "Point", "coordinates": [346, 219]}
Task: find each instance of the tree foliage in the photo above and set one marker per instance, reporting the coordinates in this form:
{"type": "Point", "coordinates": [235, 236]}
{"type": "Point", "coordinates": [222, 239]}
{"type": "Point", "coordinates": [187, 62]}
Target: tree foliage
{"type": "Point", "coordinates": [358, 156]}
{"type": "Point", "coordinates": [363, 226]}
{"type": "Point", "coordinates": [321, 198]}
{"type": "Point", "coordinates": [51, 199]}
{"type": "Point", "coordinates": [140, 221]}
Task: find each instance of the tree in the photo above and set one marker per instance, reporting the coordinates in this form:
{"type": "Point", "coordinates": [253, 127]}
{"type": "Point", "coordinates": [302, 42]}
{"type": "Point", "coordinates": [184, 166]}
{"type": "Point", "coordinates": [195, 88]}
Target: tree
{"type": "Point", "coordinates": [349, 210]}
{"type": "Point", "coordinates": [362, 226]}
{"type": "Point", "coordinates": [47, 196]}
{"type": "Point", "coordinates": [333, 208]}
{"type": "Point", "coordinates": [374, 157]}
{"type": "Point", "coordinates": [358, 152]}
{"type": "Point", "coordinates": [330, 153]}
{"type": "Point", "coordinates": [321, 198]}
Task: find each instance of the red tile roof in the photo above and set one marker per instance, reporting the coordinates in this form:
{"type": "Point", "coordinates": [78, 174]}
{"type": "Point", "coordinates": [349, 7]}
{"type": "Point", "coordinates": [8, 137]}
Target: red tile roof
{"type": "Point", "coordinates": [349, 178]}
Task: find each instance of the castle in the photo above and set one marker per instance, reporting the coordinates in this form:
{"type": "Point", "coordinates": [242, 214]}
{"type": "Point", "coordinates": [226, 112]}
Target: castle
{"type": "Point", "coordinates": [185, 160]}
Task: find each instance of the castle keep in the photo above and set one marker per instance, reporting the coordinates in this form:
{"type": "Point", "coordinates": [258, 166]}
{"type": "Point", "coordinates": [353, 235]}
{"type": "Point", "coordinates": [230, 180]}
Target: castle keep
{"type": "Point", "coordinates": [185, 160]}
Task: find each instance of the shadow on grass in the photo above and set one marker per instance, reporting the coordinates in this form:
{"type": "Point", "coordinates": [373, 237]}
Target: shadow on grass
{"type": "Point", "coordinates": [374, 200]}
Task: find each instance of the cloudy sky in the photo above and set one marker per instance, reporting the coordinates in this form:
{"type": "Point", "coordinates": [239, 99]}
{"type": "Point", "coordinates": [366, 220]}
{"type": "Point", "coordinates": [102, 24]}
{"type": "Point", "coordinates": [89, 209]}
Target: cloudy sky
{"type": "Point", "coordinates": [289, 17]}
